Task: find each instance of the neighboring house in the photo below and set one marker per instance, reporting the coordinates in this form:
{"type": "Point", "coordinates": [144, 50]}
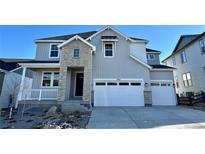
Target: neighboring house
{"type": "Point", "coordinates": [102, 68]}
{"type": "Point", "coordinates": [10, 79]}
{"type": "Point", "coordinates": [188, 58]}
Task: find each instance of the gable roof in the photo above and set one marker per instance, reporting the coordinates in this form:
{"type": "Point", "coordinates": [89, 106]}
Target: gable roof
{"type": "Point", "coordinates": [84, 35]}
{"type": "Point", "coordinates": [76, 37]}
{"type": "Point", "coordinates": [87, 36]}
{"type": "Point", "coordinates": [132, 39]}
{"type": "Point", "coordinates": [184, 41]}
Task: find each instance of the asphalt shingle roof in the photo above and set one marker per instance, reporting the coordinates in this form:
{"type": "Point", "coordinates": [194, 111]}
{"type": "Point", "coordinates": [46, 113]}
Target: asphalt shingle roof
{"type": "Point", "coordinates": [84, 35]}
{"type": "Point", "coordinates": [8, 66]}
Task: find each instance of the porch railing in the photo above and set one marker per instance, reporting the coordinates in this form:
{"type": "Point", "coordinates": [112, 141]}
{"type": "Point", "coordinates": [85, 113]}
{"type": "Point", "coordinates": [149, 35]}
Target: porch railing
{"type": "Point", "coordinates": [39, 94]}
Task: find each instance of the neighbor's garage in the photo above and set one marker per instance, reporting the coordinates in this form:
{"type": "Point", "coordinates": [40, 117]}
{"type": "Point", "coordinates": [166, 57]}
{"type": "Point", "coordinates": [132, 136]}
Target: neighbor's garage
{"type": "Point", "coordinates": [163, 92]}
{"type": "Point", "coordinates": [119, 92]}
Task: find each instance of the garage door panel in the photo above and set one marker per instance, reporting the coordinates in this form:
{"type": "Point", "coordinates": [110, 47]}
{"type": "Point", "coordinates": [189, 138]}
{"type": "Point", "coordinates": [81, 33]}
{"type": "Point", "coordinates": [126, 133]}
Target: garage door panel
{"type": "Point", "coordinates": [119, 95]}
{"type": "Point", "coordinates": [163, 93]}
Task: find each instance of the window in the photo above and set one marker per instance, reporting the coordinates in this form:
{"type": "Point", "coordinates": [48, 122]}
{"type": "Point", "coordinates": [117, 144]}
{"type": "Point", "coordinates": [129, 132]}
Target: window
{"type": "Point", "coordinates": [177, 81]}
{"type": "Point", "coordinates": [124, 84]}
{"type": "Point", "coordinates": [112, 84]}
{"type": "Point", "coordinates": [187, 79]}
{"type": "Point", "coordinates": [202, 46]}
{"type": "Point", "coordinates": [135, 84]}
{"type": "Point", "coordinates": [100, 84]}
{"type": "Point", "coordinates": [173, 61]}
{"type": "Point", "coordinates": [54, 51]}
{"type": "Point", "coordinates": [76, 53]}
{"type": "Point", "coordinates": [109, 50]}
{"type": "Point", "coordinates": [150, 56]}
{"type": "Point", "coordinates": [183, 57]}
{"type": "Point", "coordinates": [50, 79]}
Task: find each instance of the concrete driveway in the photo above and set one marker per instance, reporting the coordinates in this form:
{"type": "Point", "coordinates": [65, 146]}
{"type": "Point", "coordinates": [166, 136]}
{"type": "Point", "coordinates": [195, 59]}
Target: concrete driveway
{"type": "Point", "coordinates": [146, 117]}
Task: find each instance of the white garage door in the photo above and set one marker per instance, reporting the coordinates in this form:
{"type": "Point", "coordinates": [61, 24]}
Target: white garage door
{"type": "Point", "coordinates": [163, 93]}
{"type": "Point", "coordinates": [118, 93]}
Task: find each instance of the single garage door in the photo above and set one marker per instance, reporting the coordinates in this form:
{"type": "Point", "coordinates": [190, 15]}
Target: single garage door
{"type": "Point", "coordinates": [119, 93]}
{"type": "Point", "coordinates": [163, 93]}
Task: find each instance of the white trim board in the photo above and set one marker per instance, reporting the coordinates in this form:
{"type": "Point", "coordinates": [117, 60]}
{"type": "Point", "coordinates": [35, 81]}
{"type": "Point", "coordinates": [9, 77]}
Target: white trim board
{"type": "Point", "coordinates": [77, 37]}
{"type": "Point", "coordinates": [49, 41]}
{"type": "Point", "coordinates": [40, 65]}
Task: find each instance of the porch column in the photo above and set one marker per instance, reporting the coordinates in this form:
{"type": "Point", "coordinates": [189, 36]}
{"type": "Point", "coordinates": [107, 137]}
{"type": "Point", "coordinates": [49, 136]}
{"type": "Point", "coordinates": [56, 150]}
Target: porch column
{"type": "Point", "coordinates": [87, 84]}
{"type": "Point", "coordinates": [21, 87]}
{"type": "Point", "coordinates": [62, 83]}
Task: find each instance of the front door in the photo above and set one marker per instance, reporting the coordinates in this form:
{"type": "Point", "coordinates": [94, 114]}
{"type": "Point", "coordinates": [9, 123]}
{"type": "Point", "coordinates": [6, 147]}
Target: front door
{"type": "Point", "coordinates": [79, 84]}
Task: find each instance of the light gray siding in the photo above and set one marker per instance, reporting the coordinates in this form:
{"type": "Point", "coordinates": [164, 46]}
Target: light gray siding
{"type": "Point", "coordinates": [43, 50]}
{"type": "Point", "coordinates": [194, 65]}
{"type": "Point", "coordinates": [156, 61]}
{"type": "Point", "coordinates": [161, 75]}
{"type": "Point", "coordinates": [121, 66]}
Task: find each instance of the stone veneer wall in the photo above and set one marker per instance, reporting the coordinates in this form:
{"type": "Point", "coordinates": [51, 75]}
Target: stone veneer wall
{"type": "Point", "coordinates": [67, 61]}
{"type": "Point", "coordinates": [148, 97]}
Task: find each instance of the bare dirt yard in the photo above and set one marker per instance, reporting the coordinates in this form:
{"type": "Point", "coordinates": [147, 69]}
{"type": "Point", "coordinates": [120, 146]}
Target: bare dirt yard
{"type": "Point", "coordinates": [38, 118]}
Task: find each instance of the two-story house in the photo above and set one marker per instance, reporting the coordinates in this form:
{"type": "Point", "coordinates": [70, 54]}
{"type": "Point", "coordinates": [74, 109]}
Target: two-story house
{"type": "Point", "coordinates": [188, 58]}
{"type": "Point", "coordinates": [100, 68]}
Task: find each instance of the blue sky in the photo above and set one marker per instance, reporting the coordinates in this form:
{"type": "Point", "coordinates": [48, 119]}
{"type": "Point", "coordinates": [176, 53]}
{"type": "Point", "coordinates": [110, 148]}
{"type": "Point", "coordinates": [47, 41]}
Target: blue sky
{"type": "Point", "coordinates": [18, 41]}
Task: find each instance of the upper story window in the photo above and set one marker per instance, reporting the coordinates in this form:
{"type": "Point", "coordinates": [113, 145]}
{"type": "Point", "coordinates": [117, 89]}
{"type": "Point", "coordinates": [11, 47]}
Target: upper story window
{"type": "Point", "coordinates": [76, 53]}
{"type": "Point", "coordinates": [173, 61]}
{"type": "Point", "coordinates": [183, 57]}
{"type": "Point", "coordinates": [187, 81]}
{"type": "Point", "coordinates": [108, 49]}
{"type": "Point", "coordinates": [50, 79]}
{"type": "Point", "coordinates": [202, 46]}
{"type": "Point", "coordinates": [54, 51]}
{"type": "Point", "coordinates": [150, 56]}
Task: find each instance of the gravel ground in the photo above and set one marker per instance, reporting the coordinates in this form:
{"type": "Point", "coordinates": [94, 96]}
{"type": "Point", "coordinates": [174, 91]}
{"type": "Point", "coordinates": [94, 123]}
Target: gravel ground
{"type": "Point", "coordinates": [36, 118]}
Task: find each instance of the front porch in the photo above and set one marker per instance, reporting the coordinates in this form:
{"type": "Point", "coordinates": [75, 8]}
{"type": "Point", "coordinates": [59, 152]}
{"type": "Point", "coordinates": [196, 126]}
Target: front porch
{"type": "Point", "coordinates": [43, 92]}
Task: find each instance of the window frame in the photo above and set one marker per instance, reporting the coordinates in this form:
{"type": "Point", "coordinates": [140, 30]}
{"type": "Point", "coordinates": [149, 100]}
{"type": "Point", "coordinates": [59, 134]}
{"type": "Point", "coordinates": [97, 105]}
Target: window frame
{"type": "Point", "coordinates": [174, 61]}
{"type": "Point", "coordinates": [53, 50]}
{"type": "Point", "coordinates": [183, 55]}
{"type": "Point", "coordinates": [76, 48]}
{"type": "Point", "coordinates": [113, 49]}
{"type": "Point", "coordinates": [187, 80]}
{"type": "Point", "coordinates": [51, 79]}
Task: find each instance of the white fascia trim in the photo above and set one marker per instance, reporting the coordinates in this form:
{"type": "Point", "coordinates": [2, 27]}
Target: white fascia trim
{"type": "Point", "coordinates": [76, 37]}
{"type": "Point", "coordinates": [158, 69]}
{"type": "Point", "coordinates": [49, 41]}
{"type": "Point", "coordinates": [16, 69]}
{"type": "Point", "coordinates": [153, 52]}
{"type": "Point", "coordinates": [141, 62]}
{"type": "Point", "coordinates": [2, 70]}
{"type": "Point", "coordinates": [40, 65]}
{"type": "Point", "coordinates": [118, 32]}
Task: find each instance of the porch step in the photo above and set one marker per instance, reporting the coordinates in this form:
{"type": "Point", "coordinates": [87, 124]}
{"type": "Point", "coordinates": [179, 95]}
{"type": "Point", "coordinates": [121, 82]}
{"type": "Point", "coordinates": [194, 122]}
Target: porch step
{"type": "Point", "coordinates": [72, 106]}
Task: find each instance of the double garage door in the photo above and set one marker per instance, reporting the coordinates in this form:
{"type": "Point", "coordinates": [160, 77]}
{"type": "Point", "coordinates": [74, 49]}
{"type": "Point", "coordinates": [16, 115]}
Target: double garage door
{"type": "Point", "coordinates": [118, 93]}
{"type": "Point", "coordinates": [131, 92]}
